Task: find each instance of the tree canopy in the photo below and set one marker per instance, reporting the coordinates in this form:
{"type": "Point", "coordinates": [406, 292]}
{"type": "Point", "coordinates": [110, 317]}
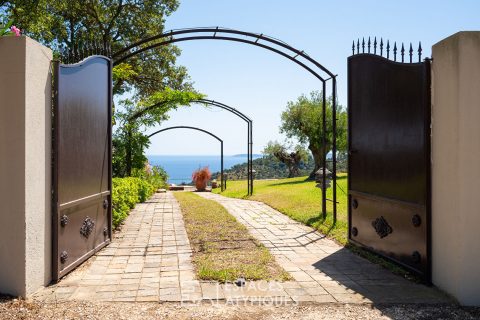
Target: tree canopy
{"type": "Point", "coordinates": [291, 157]}
{"type": "Point", "coordinates": [64, 24]}
{"type": "Point", "coordinates": [129, 140]}
{"type": "Point", "coordinates": [302, 120]}
{"type": "Point", "coordinates": [152, 81]}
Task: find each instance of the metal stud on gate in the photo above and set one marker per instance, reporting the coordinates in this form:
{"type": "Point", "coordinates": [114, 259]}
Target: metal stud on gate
{"type": "Point", "coordinates": [63, 257]}
{"type": "Point", "coordinates": [64, 221]}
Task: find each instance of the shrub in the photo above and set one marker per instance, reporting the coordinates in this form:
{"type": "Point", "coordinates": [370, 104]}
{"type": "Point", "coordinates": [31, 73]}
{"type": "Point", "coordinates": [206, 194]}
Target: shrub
{"type": "Point", "coordinates": [126, 192]}
{"type": "Point", "coordinates": [202, 174]}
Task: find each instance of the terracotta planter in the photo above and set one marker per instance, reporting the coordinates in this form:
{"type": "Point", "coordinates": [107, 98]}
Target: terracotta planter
{"type": "Point", "coordinates": [201, 185]}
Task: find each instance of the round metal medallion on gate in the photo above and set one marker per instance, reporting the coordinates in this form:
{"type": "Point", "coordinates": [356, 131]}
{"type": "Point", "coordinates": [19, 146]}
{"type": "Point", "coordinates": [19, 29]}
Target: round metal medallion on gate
{"type": "Point", "coordinates": [87, 227]}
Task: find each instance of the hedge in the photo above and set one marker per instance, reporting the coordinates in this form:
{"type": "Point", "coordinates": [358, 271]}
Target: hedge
{"type": "Point", "coordinates": [126, 192]}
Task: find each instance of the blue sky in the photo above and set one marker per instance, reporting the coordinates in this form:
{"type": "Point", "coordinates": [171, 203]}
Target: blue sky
{"type": "Point", "coordinates": [260, 83]}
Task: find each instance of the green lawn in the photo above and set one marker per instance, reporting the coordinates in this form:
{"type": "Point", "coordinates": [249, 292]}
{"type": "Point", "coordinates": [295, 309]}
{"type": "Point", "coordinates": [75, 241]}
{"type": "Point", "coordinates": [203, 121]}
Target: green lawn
{"type": "Point", "coordinates": [300, 200]}
{"type": "Point", "coordinates": [223, 250]}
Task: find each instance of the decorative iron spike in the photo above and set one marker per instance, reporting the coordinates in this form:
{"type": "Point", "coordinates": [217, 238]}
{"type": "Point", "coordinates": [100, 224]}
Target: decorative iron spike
{"type": "Point", "coordinates": [402, 52]}
{"type": "Point", "coordinates": [77, 54]}
{"type": "Point", "coordinates": [353, 48]}
{"type": "Point", "coordinates": [410, 52]}
{"type": "Point", "coordinates": [395, 51]}
{"type": "Point", "coordinates": [381, 47]}
{"type": "Point", "coordinates": [358, 46]}
{"type": "Point", "coordinates": [419, 52]}
{"type": "Point", "coordinates": [375, 46]}
{"type": "Point", "coordinates": [95, 47]}
{"type": "Point", "coordinates": [363, 45]}
{"type": "Point", "coordinates": [388, 49]}
{"type": "Point", "coordinates": [73, 54]}
{"type": "Point", "coordinates": [62, 55]}
{"type": "Point", "coordinates": [81, 51]}
{"type": "Point", "coordinates": [369, 44]}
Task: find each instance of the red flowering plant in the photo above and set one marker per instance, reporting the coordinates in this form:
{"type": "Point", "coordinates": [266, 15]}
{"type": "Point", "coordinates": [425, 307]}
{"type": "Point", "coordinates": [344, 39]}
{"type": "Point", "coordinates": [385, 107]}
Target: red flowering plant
{"type": "Point", "coordinates": [9, 29]}
{"type": "Point", "coordinates": [200, 177]}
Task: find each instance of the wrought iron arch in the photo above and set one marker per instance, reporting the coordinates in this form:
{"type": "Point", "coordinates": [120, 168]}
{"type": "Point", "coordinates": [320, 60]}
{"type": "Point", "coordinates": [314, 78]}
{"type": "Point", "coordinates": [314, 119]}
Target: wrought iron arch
{"type": "Point", "coordinates": [249, 137]}
{"type": "Point", "coordinates": [265, 42]}
{"type": "Point", "coordinates": [204, 131]}
{"type": "Point", "coordinates": [230, 109]}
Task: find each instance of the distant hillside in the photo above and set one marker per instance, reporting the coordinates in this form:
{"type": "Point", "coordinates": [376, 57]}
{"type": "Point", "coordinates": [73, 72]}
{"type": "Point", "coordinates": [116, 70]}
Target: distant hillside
{"type": "Point", "coordinates": [265, 168]}
{"type": "Point", "coordinates": [268, 167]}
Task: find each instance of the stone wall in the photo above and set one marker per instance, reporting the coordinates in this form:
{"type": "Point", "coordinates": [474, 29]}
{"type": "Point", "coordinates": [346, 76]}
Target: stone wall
{"type": "Point", "coordinates": [25, 165]}
{"type": "Point", "coordinates": [456, 166]}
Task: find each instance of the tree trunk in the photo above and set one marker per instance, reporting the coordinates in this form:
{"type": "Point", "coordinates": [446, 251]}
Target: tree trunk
{"type": "Point", "coordinates": [317, 153]}
{"type": "Point", "coordinates": [293, 171]}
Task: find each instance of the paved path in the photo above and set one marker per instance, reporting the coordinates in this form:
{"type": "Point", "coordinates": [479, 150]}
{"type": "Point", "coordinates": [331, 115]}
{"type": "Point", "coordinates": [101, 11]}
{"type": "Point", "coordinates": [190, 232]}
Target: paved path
{"type": "Point", "coordinates": [150, 260]}
{"type": "Point", "coordinates": [323, 270]}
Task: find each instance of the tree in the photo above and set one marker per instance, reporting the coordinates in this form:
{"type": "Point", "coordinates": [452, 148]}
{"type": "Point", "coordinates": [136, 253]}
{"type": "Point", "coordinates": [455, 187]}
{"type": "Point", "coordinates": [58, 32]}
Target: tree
{"type": "Point", "coordinates": [292, 159]}
{"type": "Point", "coordinates": [65, 24]}
{"type": "Point", "coordinates": [128, 140]}
{"type": "Point", "coordinates": [128, 144]}
{"type": "Point", "coordinates": [151, 79]}
{"type": "Point", "coordinates": [302, 120]}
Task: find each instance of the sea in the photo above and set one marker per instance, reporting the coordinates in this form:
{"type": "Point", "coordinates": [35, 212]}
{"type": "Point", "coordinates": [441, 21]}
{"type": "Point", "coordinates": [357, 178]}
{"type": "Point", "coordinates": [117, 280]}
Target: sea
{"type": "Point", "coordinates": [181, 167]}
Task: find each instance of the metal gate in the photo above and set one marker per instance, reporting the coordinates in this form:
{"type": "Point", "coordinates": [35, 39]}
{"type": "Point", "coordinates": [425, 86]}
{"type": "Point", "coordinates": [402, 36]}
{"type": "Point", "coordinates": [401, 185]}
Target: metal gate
{"type": "Point", "coordinates": [82, 161]}
{"type": "Point", "coordinates": [389, 155]}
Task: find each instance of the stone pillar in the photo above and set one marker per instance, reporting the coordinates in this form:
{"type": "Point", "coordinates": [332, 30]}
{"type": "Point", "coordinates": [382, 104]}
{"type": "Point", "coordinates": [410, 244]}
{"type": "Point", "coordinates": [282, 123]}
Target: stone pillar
{"type": "Point", "coordinates": [456, 166]}
{"type": "Point", "coordinates": [25, 161]}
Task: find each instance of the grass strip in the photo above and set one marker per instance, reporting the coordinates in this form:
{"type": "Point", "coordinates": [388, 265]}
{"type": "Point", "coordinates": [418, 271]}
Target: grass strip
{"type": "Point", "coordinates": [223, 250]}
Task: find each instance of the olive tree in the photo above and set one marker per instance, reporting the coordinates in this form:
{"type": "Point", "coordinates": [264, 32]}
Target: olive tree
{"type": "Point", "coordinates": [302, 120]}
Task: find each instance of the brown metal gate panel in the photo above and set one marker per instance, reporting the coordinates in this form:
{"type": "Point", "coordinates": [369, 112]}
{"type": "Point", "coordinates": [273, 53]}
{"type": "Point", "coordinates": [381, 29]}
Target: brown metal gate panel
{"type": "Point", "coordinates": [389, 159]}
{"type": "Point", "coordinates": [82, 162]}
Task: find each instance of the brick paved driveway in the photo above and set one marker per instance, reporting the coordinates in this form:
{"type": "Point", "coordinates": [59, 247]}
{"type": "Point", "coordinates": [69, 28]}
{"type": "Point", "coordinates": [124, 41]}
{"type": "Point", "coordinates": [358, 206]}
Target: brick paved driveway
{"type": "Point", "coordinates": [150, 260]}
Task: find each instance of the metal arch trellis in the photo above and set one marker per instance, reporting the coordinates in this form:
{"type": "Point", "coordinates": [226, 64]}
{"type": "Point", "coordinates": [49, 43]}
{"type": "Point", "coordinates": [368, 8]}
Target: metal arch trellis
{"type": "Point", "coordinates": [265, 42]}
{"type": "Point", "coordinates": [204, 131]}
{"type": "Point", "coordinates": [249, 137]}
{"type": "Point", "coordinates": [230, 109]}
